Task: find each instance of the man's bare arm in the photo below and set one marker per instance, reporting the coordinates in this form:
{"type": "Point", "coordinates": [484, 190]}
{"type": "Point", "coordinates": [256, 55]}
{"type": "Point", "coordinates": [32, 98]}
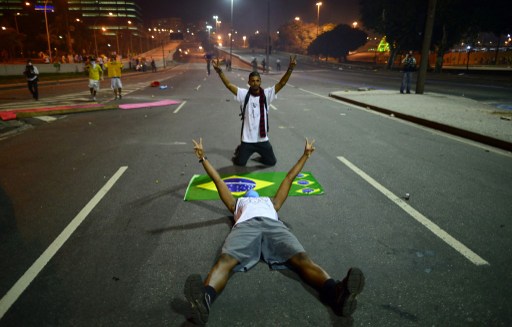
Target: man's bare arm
{"type": "Point", "coordinates": [233, 88]}
{"type": "Point", "coordinates": [224, 193]}
{"type": "Point", "coordinates": [286, 76]}
{"type": "Point", "coordinates": [284, 188]}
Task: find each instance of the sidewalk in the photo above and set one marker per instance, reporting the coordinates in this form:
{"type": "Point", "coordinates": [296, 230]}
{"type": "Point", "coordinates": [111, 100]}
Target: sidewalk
{"type": "Point", "coordinates": [458, 116]}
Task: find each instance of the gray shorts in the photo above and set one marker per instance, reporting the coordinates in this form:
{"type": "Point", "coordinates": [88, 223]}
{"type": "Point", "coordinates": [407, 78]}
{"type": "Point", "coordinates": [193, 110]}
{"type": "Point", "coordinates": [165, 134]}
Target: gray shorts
{"type": "Point", "coordinates": [261, 238]}
{"type": "Point", "coordinates": [115, 83]}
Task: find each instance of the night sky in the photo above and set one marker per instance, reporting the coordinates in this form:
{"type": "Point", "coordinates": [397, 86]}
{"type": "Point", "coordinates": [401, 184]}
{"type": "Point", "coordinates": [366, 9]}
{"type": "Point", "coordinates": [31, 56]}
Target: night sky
{"type": "Point", "coordinates": [251, 15]}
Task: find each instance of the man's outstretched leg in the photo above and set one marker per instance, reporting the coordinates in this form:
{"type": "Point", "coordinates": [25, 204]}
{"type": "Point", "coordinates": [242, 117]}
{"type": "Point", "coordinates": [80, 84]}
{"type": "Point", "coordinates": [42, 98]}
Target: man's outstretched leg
{"type": "Point", "coordinates": [340, 295]}
{"type": "Point", "coordinates": [201, 294]}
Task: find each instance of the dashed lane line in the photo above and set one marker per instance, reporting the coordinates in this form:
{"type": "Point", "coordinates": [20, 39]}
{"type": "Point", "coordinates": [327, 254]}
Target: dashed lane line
{"type": "Point", "coordinates": [178, 109]}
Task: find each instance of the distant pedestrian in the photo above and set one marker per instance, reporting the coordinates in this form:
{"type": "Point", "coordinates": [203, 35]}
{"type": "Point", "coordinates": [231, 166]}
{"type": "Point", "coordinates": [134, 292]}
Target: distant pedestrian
{"type": "Point", "coordinates": [278, 65]}
{"type": "Point", "coordinates": [254, 63]}
{"type": "Point", "coordinates": [32, 75]}
{"type": "Point", "coordinates": [153, 65]}
{"type": "Point", "coordinates": [114, 68]}
{"type": "Point", "coordinates": [409, 66]}
{"type": "Point", "coordinates": [208, 58]}
{"type": "Point", "coordinates": [264, 64]}
{"type": "Point", "coordinates": [95, 74]}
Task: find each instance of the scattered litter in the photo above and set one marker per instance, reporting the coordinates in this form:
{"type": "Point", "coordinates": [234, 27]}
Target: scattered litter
{"type": "Point", "coordinates": [155, 84]}
{"type": "Point", "coordinates": [407, 196]}
{"type": "Point", "coordinates": [163, 87]}
{"type": "Point", "coordinates": [392, 115]}
{"type": "Point", "coordinates": [505, 118]}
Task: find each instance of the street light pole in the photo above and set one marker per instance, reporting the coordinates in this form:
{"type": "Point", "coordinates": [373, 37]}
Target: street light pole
{"type": "Point", "coordinates": [267, 66]}
{"type": "Point", "coordinates": [95, 42]}
{"type": "Point", "coordinates": [47, 31]}
{"type": "Point", "coordinates": [318, 4]}
{"type": "Point", "coordinates": [231, 37]}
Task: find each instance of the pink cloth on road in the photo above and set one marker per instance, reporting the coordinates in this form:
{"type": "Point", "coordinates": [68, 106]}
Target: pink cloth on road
{"type": "Point", "coordinates": [147, 104]}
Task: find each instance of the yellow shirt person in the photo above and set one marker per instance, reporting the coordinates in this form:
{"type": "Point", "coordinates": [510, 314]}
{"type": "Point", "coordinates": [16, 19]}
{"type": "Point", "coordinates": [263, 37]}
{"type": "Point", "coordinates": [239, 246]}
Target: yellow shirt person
{"type": "Point", "coordinates": [95, 73]}
{"type": "Point", "coordinates": [114, 68]}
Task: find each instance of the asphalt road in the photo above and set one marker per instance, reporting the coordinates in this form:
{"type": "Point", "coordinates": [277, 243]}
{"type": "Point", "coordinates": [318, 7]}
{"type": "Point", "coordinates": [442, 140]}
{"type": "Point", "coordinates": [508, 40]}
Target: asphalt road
{"type": "Point", "coordinates": [93, 204]}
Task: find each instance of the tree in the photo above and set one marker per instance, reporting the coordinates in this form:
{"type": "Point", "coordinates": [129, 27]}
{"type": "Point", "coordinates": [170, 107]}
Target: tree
{"type": "Point", "coordinates": [338, 42]}
{"type": "Point", "coordinates": [401, 21]}
{"type": "Point", "coordinates": [296, 36]}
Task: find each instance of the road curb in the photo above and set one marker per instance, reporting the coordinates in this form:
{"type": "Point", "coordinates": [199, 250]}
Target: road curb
{"type": "Point", "coordinates": [484, 139]}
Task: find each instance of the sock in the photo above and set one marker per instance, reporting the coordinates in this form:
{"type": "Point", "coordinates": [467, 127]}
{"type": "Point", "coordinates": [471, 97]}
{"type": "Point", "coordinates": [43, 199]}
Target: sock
{"type": "Point", "coordinates": [211, 292]}
{"type": "Point", "coordinates": [328, 291]}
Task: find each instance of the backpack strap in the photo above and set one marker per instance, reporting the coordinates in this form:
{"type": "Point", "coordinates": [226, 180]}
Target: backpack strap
{"type": "Point", "coordinates": [242, 112]}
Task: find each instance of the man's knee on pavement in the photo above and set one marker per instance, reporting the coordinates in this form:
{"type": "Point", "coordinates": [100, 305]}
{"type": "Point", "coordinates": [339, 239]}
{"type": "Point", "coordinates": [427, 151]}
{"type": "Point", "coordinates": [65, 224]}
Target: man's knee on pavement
{"type": "Point", "coordinates": [270, 162]}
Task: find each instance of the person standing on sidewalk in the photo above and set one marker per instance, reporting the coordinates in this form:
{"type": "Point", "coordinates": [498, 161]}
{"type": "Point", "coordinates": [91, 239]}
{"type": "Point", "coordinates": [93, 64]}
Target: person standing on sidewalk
{"type": "Point", "coordinates": [259, 234]}
{"type": "Point", "coordinates": [254, 112]}
{"type": "Point", "coordinates": [409, 63]}
{"type": "Point", "coordinates": [114, 69]}
{"type": "Point", "coordinates": [32, 74]}
{"type": "Point", "coordinates": [95, 74]}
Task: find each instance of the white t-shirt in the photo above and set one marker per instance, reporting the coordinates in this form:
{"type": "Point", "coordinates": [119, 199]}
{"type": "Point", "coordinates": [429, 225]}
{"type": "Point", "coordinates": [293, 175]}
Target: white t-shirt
{"type": "Point", "coordinates": [251, 132]}
{"type": "Point", "coordinates": [248, 208]}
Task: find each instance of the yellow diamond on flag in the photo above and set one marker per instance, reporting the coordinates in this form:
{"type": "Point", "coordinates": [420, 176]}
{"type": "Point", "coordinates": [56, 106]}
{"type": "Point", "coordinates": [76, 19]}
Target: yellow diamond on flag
{"type": "Point", "coordinates": [238, 185]}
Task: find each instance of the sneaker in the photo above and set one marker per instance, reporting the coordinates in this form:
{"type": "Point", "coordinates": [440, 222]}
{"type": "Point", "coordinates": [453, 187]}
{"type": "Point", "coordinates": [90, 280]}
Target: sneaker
{"type": "Point", "coordinates": [346, 292]}
{"type": "Point", "coordinates": [198, 298]}
{"type": "Point", "coordinates": [120, 96]}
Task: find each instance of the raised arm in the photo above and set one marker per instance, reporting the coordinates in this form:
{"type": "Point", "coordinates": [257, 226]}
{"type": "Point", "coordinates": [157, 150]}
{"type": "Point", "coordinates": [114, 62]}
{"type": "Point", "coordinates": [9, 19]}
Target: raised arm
{"type": "Point", "coordinates": [286, 76]}
{"type": "Point", "coordinates": [233, 88]}
{"type": "Point", "coordinates": [224, 193]}
{"type": "Point", "coordinates": [284, 188]}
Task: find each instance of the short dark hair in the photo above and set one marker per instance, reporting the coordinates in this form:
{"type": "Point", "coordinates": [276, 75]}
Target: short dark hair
{"type": "Point", "coordinates": [254, 73]}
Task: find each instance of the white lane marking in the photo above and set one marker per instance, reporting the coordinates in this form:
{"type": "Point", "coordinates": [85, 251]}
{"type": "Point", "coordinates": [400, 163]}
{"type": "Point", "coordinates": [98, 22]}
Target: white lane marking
{"type": "Point", "coordinates": [319, 95]}
{"type": "Point", "coordinates": [19, 287]}
{"type": "Point", "coordinates": [46, 118]}
{"type": "Point", "coordinates": [438, 231]}
{"type": "Point", "coordinates": [178, 109]}
{"type": "Point", "coordinates": [273, 107]}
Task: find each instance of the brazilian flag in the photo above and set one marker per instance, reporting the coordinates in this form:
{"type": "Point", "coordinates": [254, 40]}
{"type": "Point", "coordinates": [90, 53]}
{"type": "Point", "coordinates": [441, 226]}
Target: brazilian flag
{"type": "Point", "coordinates": [201, 187]}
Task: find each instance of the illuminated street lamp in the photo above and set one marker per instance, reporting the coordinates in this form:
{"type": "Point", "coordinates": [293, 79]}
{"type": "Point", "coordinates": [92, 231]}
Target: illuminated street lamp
{"type": "Point", "coordinates": [354, 24]}
{"type": "Point", "coordinates": [244, 38]}
{"type": "Point", "coordinates": [47, 30]}
{"type": "Point", "coordinates": [318, 4]}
